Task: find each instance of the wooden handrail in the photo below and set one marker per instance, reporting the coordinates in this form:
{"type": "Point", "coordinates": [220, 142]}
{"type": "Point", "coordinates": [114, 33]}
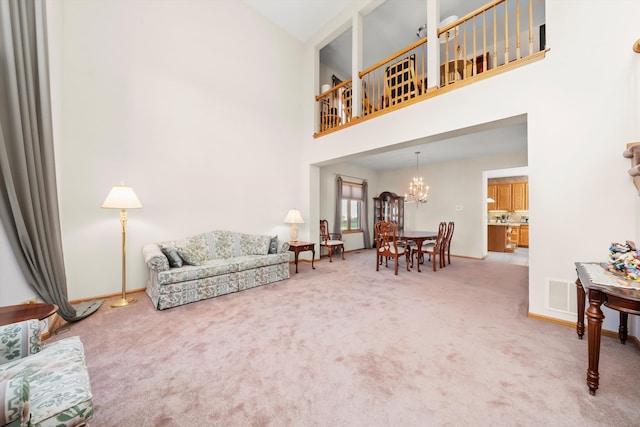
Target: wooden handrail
{"type": "Point", "coordinates": [392, 57]}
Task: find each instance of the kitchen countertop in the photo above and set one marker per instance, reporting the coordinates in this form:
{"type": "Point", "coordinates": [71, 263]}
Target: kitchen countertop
{"type": "Point", "coordinates": [505, 224]}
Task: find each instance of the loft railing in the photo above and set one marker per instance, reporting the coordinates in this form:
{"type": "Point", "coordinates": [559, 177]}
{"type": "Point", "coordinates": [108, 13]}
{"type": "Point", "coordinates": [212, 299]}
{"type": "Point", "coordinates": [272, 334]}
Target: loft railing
{"type": "Point", "coordinates": [490, 40]}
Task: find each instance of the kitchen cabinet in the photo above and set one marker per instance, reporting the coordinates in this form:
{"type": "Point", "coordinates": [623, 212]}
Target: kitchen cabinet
{"type": "Point", "coordinates": [492, 192]}
{"type": "Point", "coordinates": [520, 196]}
{"type": "Point", "coordinates": [497, 238]}
{"type": "Point", "coordinates": [509, 197]}
{"type": "Point", "coordinates": [500, 238]}
{"type": "Point", "coordinates": [503, 194]}
{"type": "Point", "coordinates": [524, 236]}
{"type": "Point", "coordinates": [514, 236]}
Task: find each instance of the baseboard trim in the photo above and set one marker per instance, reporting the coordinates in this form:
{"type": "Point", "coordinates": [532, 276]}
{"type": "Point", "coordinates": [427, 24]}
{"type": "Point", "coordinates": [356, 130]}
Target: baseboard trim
{"type": "Point", "coordinates": [605, 332]}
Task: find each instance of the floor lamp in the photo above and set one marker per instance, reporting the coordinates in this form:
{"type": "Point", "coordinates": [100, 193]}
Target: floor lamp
{"type": "Point", "coordinates": [123, 198]}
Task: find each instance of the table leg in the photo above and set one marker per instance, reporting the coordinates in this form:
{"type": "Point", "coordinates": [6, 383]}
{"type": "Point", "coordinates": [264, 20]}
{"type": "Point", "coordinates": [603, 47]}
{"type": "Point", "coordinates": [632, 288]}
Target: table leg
{"type": "Point", "coordinates": [580, 322]}
{"type": "Point", "coordinates": [419, 245]}
{"type": "Point", "coordinates": [313, 251]}
{"type": "Point", "coordinates": [622, 329]}
{"type": "Point", "coordinates": [594, 320]}
{"type": "Point", "coordinates": [296, 259]}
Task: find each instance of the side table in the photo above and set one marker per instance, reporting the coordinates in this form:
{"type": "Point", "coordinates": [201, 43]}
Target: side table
{"type": "Point", "coordinates": [18, 313]}
{"type": "Point", "coordinates": [298, 247]}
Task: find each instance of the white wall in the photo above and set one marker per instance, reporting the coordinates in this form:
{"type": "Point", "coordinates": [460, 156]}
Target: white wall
{"type": "Point", "coordinates": [178, 99]}
{"type": "Point", "coordinates": [581, 103]}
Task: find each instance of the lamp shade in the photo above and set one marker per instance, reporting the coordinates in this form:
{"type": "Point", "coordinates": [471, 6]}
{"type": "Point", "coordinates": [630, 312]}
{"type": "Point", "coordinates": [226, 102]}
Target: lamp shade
{"type": "Point", "coordinates": [293, 217]}
{"type": "Point", "coordinates": [122, 197]}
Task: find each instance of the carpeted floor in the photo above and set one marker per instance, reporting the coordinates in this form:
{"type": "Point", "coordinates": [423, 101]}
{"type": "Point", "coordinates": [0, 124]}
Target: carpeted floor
{"type": "Point", "coordinates": [344, 345]}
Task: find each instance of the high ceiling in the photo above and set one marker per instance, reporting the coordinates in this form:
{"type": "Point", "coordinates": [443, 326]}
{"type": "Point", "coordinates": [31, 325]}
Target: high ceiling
{"type": "Point", "coordinates": [387, 29]}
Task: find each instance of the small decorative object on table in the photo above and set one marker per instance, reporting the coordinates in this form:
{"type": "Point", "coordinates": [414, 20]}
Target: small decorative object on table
{"type": "Point", "coordinates": [624, 262]}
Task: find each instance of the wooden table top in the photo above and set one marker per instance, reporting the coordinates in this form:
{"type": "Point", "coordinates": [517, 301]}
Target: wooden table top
{"type": "Point", "coordinates": [18, 313]}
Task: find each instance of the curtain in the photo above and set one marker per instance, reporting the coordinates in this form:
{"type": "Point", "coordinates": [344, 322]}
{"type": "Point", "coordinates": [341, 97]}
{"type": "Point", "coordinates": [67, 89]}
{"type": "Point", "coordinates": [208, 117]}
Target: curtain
{"type": "Point", "coordinates": [366, 237]}
{"type": "Point", "coordinates": [337, 220]}
{"type": "Point", "coordinates": [28, 193]}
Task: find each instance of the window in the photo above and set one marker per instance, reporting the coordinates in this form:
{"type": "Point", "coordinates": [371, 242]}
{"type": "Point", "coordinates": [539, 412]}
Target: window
{"type": "Point", "coordinates": [351, 213]}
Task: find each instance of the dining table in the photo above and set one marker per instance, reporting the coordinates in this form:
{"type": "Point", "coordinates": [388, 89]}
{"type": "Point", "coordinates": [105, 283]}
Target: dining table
{"type": "Point", "coordinates": [418, 237]}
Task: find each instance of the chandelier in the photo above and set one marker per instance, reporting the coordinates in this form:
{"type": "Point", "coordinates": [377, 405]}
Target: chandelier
{"type": "Point", "coordinates": [418, 192]}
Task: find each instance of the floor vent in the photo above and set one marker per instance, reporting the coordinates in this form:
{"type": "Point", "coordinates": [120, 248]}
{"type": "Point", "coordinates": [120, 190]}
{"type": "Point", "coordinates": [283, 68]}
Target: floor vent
{"type": "Point", "coordinates": [561, 296]}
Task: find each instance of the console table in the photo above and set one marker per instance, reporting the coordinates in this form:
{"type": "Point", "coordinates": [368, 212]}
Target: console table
{"type": "Point", "coordinates": [298, 247]}
{"type": "Point", "coordinates": [624, 300]}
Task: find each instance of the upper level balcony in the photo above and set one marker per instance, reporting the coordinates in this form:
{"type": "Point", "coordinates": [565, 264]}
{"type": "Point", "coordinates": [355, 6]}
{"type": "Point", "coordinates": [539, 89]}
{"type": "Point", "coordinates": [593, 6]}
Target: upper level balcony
{"type": "Point", "coordinates": [494, 38]}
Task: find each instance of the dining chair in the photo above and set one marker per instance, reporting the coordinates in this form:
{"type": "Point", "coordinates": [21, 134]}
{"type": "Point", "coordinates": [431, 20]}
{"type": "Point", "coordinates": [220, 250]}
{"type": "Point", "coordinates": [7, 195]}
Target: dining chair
{"type": "Point", "coordinates": [432, 248]}
{"type": "Point", "coordinates": [347, 98]}
{"type": "Point", "coordinates": [401, 81]}
{"type": "Point", "coordinates": [329, 240]}
{"type": "Point", "coordinates": [446, 246]}
{"type": "Point", "coordinates": [388, 245]}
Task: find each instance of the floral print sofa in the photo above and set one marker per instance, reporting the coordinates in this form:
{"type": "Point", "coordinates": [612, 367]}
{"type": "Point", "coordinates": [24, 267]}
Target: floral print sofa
{"type": "Point", "coordinates": [211, 264]}
{"type": "Point", "coordinates": [42, 385]}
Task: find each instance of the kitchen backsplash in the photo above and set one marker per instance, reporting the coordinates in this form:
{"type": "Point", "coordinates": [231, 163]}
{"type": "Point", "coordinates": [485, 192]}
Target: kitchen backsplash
{"type": "Point", "coordinates": [517, 216]}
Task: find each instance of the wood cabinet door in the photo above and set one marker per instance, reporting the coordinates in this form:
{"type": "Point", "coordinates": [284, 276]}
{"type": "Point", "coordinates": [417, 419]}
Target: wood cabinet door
{"type": "Point", "coordinates": [492, 191]}
{"type": "Point", "coordinates": [524, 236]}
{"type": "Point", "coordinates": [503, 200]}
{"type": "Point", "coordinates": [519, 196]}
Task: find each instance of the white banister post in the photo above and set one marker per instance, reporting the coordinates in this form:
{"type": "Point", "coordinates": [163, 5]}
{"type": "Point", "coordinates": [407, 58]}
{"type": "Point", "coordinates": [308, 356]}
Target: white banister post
{"type": "Point", "coordinates": [356, 65]}
{"type": "Point", "coordinates": [433, 44]}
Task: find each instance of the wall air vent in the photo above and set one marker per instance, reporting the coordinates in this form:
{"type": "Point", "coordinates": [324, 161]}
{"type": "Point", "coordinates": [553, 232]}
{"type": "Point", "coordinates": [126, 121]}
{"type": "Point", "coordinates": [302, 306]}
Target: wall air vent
{"type": "Point", "coordinates": [561, 296]}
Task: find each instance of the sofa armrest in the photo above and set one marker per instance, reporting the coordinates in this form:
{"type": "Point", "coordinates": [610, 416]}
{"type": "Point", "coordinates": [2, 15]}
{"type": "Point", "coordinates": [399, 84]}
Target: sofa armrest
{"type": "Point", "coordinates": [284, 247]}
{"type": "Point", "coordinates": [154, 258]}
{"type": "Point", "coordinates": [14, 408]}
{"type": "Point", "coordinates": [18, 340]}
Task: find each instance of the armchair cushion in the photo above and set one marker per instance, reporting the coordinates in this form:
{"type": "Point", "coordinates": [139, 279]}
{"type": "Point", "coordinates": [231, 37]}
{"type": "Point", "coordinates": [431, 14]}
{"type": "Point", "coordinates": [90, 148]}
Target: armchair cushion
{"type": "Point", "coordinates": [19, 340]}
{"type": "Point", "coordinates": [14, 408]}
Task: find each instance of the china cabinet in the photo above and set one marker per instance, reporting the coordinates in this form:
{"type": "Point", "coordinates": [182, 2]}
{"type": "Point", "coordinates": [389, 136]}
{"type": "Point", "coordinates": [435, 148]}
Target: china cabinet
{"type": "Point", "coordinates": [389, 206]}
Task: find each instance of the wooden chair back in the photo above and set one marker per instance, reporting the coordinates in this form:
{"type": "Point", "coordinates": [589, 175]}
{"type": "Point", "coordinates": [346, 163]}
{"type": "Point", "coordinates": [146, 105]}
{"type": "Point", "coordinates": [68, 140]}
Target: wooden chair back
{"type": "Point", "coordinates": [330, 240]}
{"type": "Point", "coordinates": [388, 245]}
{"type": "Point", "coordinates": [401, 81]}
{"type": "Point", "coordinates": [446, 245]}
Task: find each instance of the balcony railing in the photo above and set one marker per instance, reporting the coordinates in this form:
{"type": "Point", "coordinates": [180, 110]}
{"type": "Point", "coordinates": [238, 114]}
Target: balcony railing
{"type": "Point", "coordinates": [490, 40]}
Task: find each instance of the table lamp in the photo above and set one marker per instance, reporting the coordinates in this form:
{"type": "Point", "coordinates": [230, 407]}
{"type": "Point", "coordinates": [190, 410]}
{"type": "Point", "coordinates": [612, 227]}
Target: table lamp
{"type": "Point", "coordinates": [294, 217]}
{"type": "Point", "coordinates": [123, 198]}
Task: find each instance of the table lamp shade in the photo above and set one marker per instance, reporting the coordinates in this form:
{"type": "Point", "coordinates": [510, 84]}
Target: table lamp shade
{"type": "Point", "coordinates": [122, 197]}
{"type": "Point", "coordinates": [293, 217]}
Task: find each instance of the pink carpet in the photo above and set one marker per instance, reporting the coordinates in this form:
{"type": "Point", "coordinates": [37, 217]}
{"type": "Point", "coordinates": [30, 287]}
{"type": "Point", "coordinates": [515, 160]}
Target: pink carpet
{"type": "Point", "coordinates": [344, 345]}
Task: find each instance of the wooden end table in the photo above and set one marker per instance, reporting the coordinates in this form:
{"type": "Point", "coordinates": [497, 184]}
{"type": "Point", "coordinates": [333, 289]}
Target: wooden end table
{"type": "Point", "coordinates": [18, 313]}
{"type": "Point", "coordinates": [298, 247]}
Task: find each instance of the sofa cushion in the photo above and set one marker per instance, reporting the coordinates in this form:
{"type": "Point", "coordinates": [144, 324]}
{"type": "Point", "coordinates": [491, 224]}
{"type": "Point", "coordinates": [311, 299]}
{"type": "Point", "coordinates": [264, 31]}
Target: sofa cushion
{"type": "Point", "coordinates": [224, 243]}
{"type": "Point", "coordinates": [273, 245]}
{"type": "Point", "coordinates": [252, 244]}
{"type": "Point", "coordinates": [194, 250]}
{"type": "Point", "coordinates": [172, 255]}
{"type": "Point", "coordinates": [19, 340]}
{"type": "Point", "coordinates": [249, 262]}
{"type": "Point", "coordinates": [209, 268]}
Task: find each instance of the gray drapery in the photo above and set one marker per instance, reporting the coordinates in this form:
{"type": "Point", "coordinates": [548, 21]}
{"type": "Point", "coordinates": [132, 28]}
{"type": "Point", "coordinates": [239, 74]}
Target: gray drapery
{"type": "Point", "coordinates": [28, 199]}
{"type": "Point", "coordinates": [366, 236]}
{"type": "Point", "coordinates": [337, 220]}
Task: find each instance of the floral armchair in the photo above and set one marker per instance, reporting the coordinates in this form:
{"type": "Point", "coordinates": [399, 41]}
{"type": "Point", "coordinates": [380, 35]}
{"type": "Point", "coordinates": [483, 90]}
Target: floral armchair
{"type": "Point", "coordinates": [42, 385]}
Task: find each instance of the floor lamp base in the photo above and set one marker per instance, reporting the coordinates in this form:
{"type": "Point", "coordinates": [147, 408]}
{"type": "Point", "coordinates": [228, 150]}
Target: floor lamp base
{"type": "Point", "coordinates": [123, 301]}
